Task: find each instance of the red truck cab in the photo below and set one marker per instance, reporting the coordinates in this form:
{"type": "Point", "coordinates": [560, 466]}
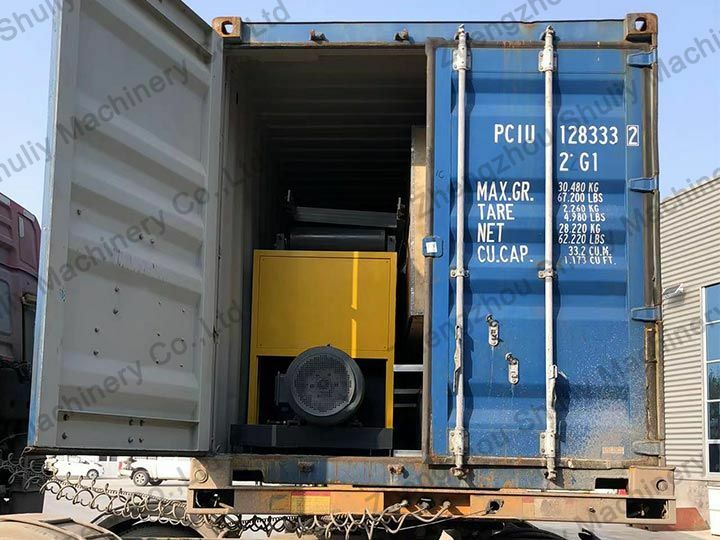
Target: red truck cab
{"type": "Point", "coordinates": [19, 257]}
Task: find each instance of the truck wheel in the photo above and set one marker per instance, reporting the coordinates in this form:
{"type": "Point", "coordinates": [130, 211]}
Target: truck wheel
{"type": "Point", "coordinates": [128, 528]}
{"type": "Point", "coordinates": [92, 474]}
{"type": "Point", "coordinates": [141, 478]}
{"type": "Point", "coordinates": [155, 482]}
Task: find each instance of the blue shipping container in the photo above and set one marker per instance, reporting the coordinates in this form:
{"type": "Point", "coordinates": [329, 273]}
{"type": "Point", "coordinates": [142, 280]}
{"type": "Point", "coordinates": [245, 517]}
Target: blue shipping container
{"type": "Point", "coordinates": [536, 366]}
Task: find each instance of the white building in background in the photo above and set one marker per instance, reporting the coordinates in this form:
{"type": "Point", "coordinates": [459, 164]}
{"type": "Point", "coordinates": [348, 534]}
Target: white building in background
{"type": "Point", "coordinates": [690, 238]}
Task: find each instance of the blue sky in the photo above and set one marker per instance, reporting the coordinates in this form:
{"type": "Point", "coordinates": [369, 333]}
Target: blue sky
{"type": "Point", "coordinates": [689, 99]}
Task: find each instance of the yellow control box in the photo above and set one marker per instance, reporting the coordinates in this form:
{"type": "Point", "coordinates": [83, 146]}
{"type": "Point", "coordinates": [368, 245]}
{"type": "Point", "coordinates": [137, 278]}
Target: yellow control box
{"type": "Point", "coordinates": [305, 299]}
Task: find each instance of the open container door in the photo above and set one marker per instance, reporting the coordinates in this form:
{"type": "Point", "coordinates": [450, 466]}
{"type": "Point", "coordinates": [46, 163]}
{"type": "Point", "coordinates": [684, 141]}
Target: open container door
{"type": "Point", "coordinates": [124, 350]}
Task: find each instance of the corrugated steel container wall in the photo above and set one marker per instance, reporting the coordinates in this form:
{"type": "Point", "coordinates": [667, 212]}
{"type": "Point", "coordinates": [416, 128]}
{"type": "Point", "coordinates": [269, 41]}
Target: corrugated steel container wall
{"type": "Point", "coordinates": [690, 243]}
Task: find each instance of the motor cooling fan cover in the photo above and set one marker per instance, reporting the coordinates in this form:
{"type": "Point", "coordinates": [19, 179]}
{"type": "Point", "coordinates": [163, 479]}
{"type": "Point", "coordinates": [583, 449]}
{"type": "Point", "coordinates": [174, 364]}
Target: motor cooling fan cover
{"type": "Point", "coordinates": [326, 386]}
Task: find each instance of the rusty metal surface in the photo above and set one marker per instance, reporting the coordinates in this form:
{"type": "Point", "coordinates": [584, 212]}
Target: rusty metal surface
{"type": "Point", "coordinates": [651, 482]}
{"type": "Point", "coordinates": [568, 507]}
{"type": "Point", "coordinates": [228, 27]}
{"type": "Point", "coordinates": [401, 472]}
{"type": "Point", "coordinates": [414, 33]}
{"type": "Point", "coordinates": [641, 27]}
{"type": "Point", "coordinates": [600, 506]}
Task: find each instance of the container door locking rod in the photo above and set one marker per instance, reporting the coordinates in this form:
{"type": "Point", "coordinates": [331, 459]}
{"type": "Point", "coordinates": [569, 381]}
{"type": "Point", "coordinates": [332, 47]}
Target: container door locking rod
{"type": "Point", "coordinates": [458, 436]}
{"type": "Point", "coordinates": [548, 438]}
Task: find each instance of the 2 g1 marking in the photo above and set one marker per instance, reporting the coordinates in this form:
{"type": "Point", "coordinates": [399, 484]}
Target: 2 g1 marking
{"type": "Point", "coordinates": [586, 161]}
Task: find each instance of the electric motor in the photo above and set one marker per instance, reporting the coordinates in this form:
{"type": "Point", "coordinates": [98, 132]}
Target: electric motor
{"type": "Point", "coordinates": [325, 386]}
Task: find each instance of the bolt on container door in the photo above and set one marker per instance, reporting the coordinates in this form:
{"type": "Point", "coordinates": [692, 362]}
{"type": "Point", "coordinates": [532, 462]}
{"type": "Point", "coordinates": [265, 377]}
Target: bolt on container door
{"type": "Point", "coordinates": [603, 149]}
{"type": "Point", "coordinates": [123, 361]}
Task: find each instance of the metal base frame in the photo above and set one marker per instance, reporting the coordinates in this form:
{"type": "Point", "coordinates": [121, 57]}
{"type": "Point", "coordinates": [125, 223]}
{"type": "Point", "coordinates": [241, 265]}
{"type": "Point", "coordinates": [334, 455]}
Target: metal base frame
{"type": "Point", "coordinates": [308, 437]}
{"type": "Point", "coordinates": [646, 498]}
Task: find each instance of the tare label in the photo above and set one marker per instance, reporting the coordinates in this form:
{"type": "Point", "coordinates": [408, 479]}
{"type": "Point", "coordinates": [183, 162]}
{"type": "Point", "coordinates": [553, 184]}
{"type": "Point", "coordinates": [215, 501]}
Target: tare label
{"type": "Point", "coordinates": [497, 202]}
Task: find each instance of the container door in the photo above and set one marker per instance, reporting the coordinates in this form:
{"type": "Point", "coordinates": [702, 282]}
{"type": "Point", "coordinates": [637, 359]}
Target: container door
{"type": "Point", "coordinates": [124, 348]}
{"type": "Point", "coordinates": [602, 154]}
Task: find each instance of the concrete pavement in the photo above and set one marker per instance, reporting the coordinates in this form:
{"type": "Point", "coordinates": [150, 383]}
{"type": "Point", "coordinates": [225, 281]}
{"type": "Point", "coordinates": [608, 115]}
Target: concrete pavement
{"type": "Point", "coordinates": [621, 532]}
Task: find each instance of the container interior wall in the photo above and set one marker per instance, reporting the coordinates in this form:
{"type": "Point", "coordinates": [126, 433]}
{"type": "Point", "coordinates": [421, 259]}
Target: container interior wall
{"type": "Point", "coordinates": [331, 127]}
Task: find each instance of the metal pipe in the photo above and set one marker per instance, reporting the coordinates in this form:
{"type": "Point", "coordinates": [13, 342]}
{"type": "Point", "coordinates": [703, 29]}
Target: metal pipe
{"type": "Point", "coordinates": [459, 435]}
{"type": "Point", "coordinates": [547, 65]}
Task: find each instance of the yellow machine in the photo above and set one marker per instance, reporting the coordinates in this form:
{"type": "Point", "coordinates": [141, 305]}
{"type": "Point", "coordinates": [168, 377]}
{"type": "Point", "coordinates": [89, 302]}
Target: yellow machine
{"type": "Point", "coordinates": [308, 299]}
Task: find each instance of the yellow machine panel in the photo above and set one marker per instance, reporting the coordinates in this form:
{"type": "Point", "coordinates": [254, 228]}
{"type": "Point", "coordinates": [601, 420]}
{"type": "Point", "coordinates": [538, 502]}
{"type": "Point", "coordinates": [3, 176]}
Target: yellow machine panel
{"type": "Point", "coordinates": [305, 299]}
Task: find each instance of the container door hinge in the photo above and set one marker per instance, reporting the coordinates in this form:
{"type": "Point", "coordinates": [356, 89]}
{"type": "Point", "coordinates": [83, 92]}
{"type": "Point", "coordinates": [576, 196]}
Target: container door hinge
{"type": "Point", "coordinates": [648, 448]}
{"type": "Point", "coordinates": [458, 441]}
{"type": "Point", "coordinates": [647, 314]}
{"type": "Point", "coordinates": [643, 59]}
{"type": "Point", "coordinates": [644, 185]}
{"type": "Point", "coordinates": [432, 246]}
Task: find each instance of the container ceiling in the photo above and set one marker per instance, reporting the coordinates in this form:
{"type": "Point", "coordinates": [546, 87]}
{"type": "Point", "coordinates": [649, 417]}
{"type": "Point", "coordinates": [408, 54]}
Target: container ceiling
{"type": "Point", "coordinates": [338, 122]}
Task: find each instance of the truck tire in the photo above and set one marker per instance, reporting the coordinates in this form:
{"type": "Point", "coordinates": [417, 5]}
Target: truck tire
{"type": "Point", "coordinates": [156, 482]}
{"type": "Point", "coordinates": [128, 528]}
{"type": "Point", "coordinates": [140, 477]}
